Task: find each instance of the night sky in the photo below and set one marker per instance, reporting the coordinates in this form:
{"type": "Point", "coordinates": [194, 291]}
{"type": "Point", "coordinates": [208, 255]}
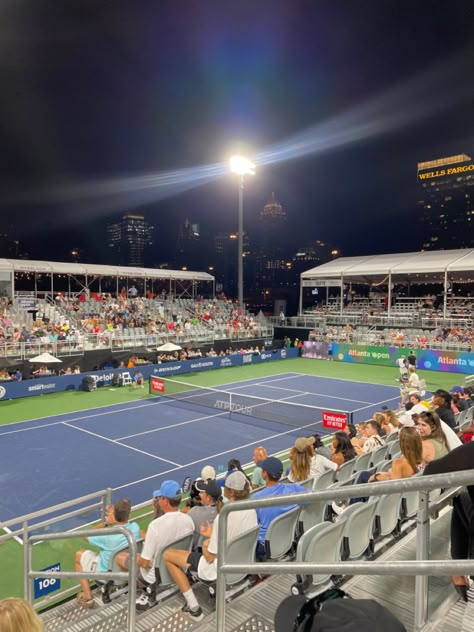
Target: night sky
{"type": "Point", "coordinates": [104, 90]}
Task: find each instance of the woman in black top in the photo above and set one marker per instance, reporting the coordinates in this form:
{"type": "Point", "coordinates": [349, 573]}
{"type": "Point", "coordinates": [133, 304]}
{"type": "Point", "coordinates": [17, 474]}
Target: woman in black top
{"type": "Point", "coordinates": [462, 518]}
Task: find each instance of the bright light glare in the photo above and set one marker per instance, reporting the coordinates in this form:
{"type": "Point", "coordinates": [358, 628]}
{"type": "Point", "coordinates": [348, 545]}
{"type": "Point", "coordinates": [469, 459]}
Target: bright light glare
{"type": "Point", "coordinates": [241, 165]}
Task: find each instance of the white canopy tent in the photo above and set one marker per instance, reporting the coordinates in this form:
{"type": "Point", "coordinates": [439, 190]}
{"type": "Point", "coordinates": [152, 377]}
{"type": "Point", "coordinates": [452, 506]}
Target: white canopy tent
{"type": "Point", "coordinates": [441, 266]}
{"type": "Point", "coordinates": [91, 272]}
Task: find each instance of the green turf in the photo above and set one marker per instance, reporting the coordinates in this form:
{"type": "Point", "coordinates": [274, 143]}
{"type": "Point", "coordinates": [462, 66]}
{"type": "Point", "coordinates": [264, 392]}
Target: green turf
{"type": "Point", "coordinates": [45, 554]}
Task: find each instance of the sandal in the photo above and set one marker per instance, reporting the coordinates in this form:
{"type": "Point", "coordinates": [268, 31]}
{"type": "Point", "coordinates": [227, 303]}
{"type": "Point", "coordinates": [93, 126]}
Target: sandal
{"type": "Point", "coordinates": [85, 603]}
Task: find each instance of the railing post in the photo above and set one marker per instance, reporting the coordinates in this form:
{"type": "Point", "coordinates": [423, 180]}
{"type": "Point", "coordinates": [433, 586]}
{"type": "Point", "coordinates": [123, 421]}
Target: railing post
{"type": "Point", "coordinates": [422, 553]}
{"type": "Point", "coordinates": [221, 580]}
{"type": "Point", "coordinates": [106, 501]}
{"type": "Point", "coordinates": [27, 550]}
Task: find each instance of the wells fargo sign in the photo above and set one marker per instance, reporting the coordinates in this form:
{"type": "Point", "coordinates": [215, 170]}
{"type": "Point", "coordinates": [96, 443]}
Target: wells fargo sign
{"type": "Point", "coordinates": [451, 171]}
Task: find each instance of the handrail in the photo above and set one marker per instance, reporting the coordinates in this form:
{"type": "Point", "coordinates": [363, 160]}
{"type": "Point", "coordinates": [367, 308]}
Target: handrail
{"type": "Point", "coordinates": [130, 575]}
{"type": "Point", "coordinates": [421, 568]}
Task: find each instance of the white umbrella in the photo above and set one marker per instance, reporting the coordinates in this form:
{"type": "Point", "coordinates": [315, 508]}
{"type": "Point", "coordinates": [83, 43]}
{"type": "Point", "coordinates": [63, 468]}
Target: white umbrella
{"type": "Point", "coordinates": [45, 358]}
{"type": "Point", "coordinates": [169, 346]}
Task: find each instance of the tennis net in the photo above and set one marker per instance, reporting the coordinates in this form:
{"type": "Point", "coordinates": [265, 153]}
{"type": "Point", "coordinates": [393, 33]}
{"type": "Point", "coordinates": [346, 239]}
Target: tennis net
{"type": "Point", "coordinates": [288, 413]}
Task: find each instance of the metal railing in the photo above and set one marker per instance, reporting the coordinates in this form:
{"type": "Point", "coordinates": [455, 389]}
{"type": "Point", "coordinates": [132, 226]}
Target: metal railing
{"type": "Point", "coordinates": [422, 567]}
{"type": "Point", "coordinates": [102, 499]}
{"type": "Point", "coordinates": [130, 575]}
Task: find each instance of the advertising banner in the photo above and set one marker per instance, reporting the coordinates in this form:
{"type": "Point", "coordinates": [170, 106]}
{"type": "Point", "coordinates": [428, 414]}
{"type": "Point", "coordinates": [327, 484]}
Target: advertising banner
{"type": "Point", "coordinates": [334, 421]}
{"type": "Point", "coordinates": [59, 383]}
{"type": "Point", "coordinates": [427, 359]}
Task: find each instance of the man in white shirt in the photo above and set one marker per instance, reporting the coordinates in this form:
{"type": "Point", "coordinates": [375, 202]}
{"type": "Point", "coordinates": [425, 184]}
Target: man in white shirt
{"type": "Point", "coordinates": [373, 440]}
{"type": "Point", "coordinates": [169, 525]}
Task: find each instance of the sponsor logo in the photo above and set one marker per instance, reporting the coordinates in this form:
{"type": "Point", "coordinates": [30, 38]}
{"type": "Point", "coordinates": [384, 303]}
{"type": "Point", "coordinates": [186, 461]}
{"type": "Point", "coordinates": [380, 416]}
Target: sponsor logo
{"type": "Point", "coordinates": [41, 387]}
{"type": "Point", "coordinates": [337, 421]}
{"type": "Point", "coordinates": [247, 359]}
{"type": "Point", "coordinates": [283, 353]}
{"type": "Point", "coordinates": [265, 356]}
{"type": "Point", "coordinates": [233, 408]}
{"type": "Point", "coordinates": [105, 377]}
{"type": "Point", "coordinates": [167, 369]}
{"type": "Point", "coordinates": [157, 385]}
{"type": "Point", "coordinates": [201, 365]}
{"type": "Point", "coordinates": [3, 391]}
{"type": "Point", "coordinates": [226, 362]}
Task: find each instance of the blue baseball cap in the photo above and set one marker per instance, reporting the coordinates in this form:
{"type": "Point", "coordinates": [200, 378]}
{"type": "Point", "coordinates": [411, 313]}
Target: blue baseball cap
{"type": "Point", "coordinates": [272, 465]}
{"type": "Point", "coordinates": [168, 489]}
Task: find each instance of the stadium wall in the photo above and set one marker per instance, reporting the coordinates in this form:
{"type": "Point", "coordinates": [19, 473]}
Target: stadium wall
{"type": "Point", "coordinates": [61, 383]}
{"type": "Point", "coordinates": [428, 359]}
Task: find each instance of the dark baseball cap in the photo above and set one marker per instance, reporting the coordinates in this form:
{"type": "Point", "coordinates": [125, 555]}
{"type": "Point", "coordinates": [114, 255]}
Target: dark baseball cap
{"type": "Point", "coordinates": [272, 465]}
{"type": "Point", "coordinates": [210, 487]}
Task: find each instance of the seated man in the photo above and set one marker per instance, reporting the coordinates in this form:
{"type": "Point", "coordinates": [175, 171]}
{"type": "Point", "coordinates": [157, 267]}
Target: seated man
{"type": "Point", "coordinates": [372, 438]}
{"type": "Point", "coordinates": [169, 525]}
{"type": "Point", "coordinates": [138, 380]}
{"type": "Point", "coordinates": [259, 454]}
{"type": "Point", "coordinates": [210, 495]}
{"type": "Point", "coordinates": [237, 487]}
{"type": "Point", "coordinates": [272, 469]}
{"type": "Point", "coordinates": [89, 562]}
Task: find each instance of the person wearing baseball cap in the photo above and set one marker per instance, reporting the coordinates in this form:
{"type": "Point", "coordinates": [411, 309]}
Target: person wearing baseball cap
{"type": "Point", "coordinates": [169, 525]}
{"type": "Point", "coordinates": [272, 469]}
{"type": "Point", "coordinates": [237, 487]}
{"type": "Point", "coordinates": [210, 496]}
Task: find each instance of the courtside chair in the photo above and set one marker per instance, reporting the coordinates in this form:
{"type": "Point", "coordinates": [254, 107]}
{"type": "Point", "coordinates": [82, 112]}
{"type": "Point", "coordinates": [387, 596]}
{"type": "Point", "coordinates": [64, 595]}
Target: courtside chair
{"type": "Point", "coordinates": [321, 543]}
{"type": "Point", "coordinates": [281, 534]}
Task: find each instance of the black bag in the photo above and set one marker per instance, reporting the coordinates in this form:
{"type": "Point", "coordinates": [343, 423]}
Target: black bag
{"type": "Point", "coordinates": [116, 379]}
{"type": "Point", "coordinates": [330, 612]}
{"type": "Point", "coordinates": [88, 383]}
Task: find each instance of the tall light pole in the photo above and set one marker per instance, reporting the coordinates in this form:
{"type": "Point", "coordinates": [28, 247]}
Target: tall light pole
{"type": "Point", "coordinates": [241, 166]}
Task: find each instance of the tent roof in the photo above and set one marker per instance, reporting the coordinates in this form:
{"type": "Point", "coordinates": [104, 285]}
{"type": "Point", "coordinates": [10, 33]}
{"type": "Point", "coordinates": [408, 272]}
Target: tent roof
{"type": "Point", "coordinates": [420, 263]}
{"type": "Point", "coordinates": [81, 269]}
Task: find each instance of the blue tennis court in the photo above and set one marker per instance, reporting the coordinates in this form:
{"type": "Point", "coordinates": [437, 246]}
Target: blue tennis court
{"type": "Point", "coordinates": [132, 447]}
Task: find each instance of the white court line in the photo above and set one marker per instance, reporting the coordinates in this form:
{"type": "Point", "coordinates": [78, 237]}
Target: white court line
{"type": "Point", "coordinates": [375, 404]}
{"type": "Point", "coordinates": [294, 390]}
{"type": "Point", "coordinates": [182, 423]}
{"type": "Point", "coordinates": [213, 456]}
{"type": "Point", "coordinates": [252, 380]}
{"type": "Point", "coordinates": [342, 379]}
{"type": "Point", "coordinates": [128, 447]}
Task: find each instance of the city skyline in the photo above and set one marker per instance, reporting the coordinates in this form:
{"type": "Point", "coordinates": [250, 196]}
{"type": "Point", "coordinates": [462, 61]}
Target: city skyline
{"type": "Point", "coordinates": [112, 112]}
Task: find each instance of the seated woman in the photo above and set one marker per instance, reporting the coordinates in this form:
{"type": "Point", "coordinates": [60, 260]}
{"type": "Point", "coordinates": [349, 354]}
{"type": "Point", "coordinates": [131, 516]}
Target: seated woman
{"type": "Point", "coordinates": [433, 438]}
{"type": "Point", "coordinates": [390, 422]}
{"type": "Point", "coordinates": [343, 450]}
{"type": "Point", "coordinates": [411, 461]}
{"type": "Point", "coordinates": [300, 456]}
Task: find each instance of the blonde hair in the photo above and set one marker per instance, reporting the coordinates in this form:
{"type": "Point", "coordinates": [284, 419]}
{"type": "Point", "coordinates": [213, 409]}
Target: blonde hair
{"type": "Point", "coordinates": [300, 464]}
{"type": "Point", "coordinates": [17, 615]}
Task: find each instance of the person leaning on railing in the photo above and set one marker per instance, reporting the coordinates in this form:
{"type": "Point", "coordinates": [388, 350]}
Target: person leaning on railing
{"type": "Point", "coordinates": [462, 517]}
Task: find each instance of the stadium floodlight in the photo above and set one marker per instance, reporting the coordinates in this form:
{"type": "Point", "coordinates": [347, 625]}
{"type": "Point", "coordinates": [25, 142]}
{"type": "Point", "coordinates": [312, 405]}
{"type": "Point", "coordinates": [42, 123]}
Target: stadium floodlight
{"type": "Point", "coordinates": [242, 167]}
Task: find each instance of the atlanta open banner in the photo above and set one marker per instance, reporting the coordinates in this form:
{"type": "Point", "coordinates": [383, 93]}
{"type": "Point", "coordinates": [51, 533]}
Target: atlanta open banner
{"type": "Point", "coordinates": [428, 359]}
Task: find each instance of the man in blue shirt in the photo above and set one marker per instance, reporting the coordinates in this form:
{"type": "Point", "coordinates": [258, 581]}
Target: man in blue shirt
{"type": "Point", "coordinates": [272, 469]}
{"type": "Point", "coordinates": [87, 561]}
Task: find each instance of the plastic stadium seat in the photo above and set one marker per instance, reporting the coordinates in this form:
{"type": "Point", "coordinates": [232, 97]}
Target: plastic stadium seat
{"type": "Point", "coordinates": [409, 504]}
{"type": "Point", "coordinates": [280, 534]}
{"type": "Point", "coordinates": [362, 462]}
{"type": "Point", "coordinates": [311, 515]}
{"type": "Point", "coordinates": [323, 481]}
{"type": "Point", "coordinates": [378, 455]}
{"type": "Point", "coordinates": [393, 448]}
{"type": "Point", "coordinates": [346, 471]}
{"type": "Point", "coordinates": [358, 530]}
{"type": "Point", "coordinates": [387, 515]}
{"type": "Point", "coordinates": [322, 543]}
{"type": "Point", "coordinates": [392, 437]}
{"type": "Point", "coordinates": [241, 550]}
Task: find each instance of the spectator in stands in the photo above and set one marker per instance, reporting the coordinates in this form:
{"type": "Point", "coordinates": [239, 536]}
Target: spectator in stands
{"type": "Point", "coordinates": [204, 564]}
{"type": "Point", "coordinates": [257, 480]}
{"type": "Point", "coordinates": [319, 465]}
{"type": "Point", "coordinates": [462, 517]}
{"type": "Point", "coordinates": [208, 472]}
{"type": "Point", "coordinates": [272, 469]}
{"type": "Point", "coordinates": [379, 420]}
{"type": "Point", "coordinates": [300, 460]}
{"type": "Point", "coordinates": [210, 495]}
{"type": "Point", "coordinates": [138, 380]}
{"type": "Point", "coordinates": [434, 440]}
{"type": "Point", "coordinates": [87, 561]}
{"type": "Point", "coordinates": [458, 401]}
{"type": "Point", "coordinates": [17, 615]}
{"type": "Point", "coordinates": [343, 450]}
{"type": "Point", "coordinates": [169, 525]}
{"type": "Point", "coordinates": [372, 438]}
{"type": "Point", "coordinates": [18, 376]}
{"type": "Point", "coordinates": [442, 407]}
{"type": "Point", "coordinates": [320, 448]}
{"type": "Point", "coordinates": [410, 463]}
{"type": "Point", "coordinates": [232, 466]}
{"type": "Point", "coordinates": [390, 422]}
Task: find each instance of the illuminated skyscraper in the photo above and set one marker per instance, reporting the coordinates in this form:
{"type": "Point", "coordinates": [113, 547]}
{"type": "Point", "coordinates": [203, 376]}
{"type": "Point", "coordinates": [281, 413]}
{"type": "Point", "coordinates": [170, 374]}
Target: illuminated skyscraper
{"type": "Point", "coordinates": [446, 203]}
{"type": "Point", "coordinates": [129, 239]}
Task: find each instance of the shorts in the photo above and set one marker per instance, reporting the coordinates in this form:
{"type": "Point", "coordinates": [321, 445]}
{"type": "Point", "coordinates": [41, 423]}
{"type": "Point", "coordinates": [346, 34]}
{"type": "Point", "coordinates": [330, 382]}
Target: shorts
{"type": "Point", "coordinates": [193, 560]}
{"type": "Point", "coordinates": [89, 561]}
